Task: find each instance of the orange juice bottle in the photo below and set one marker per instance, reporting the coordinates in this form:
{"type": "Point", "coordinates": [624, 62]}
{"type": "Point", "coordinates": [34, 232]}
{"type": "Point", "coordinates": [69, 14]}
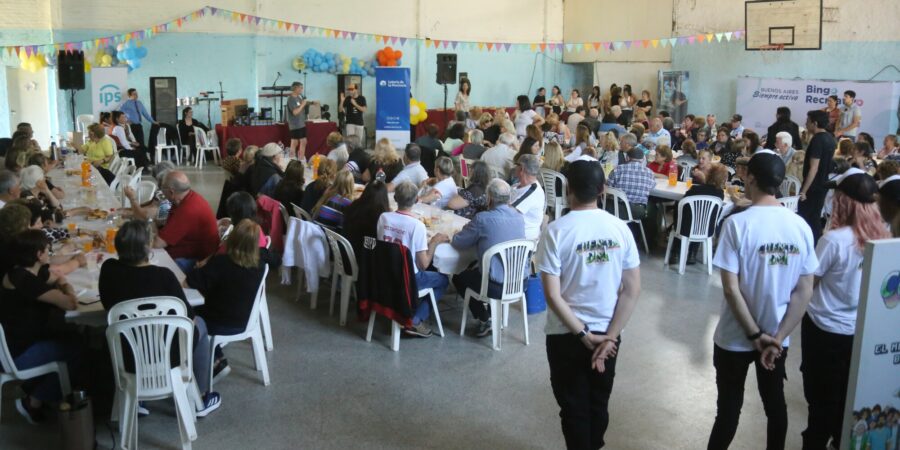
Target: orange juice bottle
{"type": "Point", "coordinates": [673, 175]}
{"type": "Point", "coordinates": [315, 165]}
{"type": "Point", "coordinates": [111, 240]}
{"type": "Point", "coordinates": [85, 173]}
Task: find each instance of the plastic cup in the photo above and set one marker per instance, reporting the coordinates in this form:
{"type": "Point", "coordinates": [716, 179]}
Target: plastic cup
{"type": "Point", "coordinates": [72, 227]}
{"type": "Point", "coordinates": [111, 240]}
{"type": "Point", "coordinates": [88, 245]}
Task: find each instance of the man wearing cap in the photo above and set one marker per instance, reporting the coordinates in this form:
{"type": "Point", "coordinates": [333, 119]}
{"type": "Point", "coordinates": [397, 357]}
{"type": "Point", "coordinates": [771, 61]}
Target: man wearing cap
{"type": "Point", "coordinates": [830, 323]}
{"type": "Point", "coordinates": [589, 267]}
{"type": "Point", "coordinates": [816, 165]}
{"type": "Point", "coordinates": [635, 179]}
{"type": "Point", "coordinates": [737, 129]}
{"type": "Point", "coordinates": [354, 105]}
{"type": "Point", "coordinates": [767, 278]}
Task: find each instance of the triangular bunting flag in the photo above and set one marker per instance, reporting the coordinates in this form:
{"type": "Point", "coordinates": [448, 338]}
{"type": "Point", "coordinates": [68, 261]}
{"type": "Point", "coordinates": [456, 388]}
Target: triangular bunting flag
{"type": "Point", "coordinates": [719, 37]}
{"type": "Point", "coordinates": [728, 36]}
{"type": "Point", "coordinates": [568, 47]}
{"type": "Point", "coordinates": [618, 45]}
{"type": "Point", "coordinates": [709, 37]}
{"type": "Point", "coordinates": [444, 44]}
{"type": "Point", "coordinates": [403, 41]}
{"type": "Point", "coordinates": [701, 38]}
{"type": "Point", "coordinates": [587, 46]}
{"type": "Point", "coordinates": [437, 43]}
{"type": "Point", "coordinates": [394, 39]}
{"type": "Point", "coordinates": [480, 45]}
{"type": "Point", "coordinates": [454, 44]}
{"type": "Point", "coordinates": [691, 39]}
{"type": "Point", "coordinates": [506, 46]}
{"type": "Point", "coordinates": [672, 41]}
{"type": "Point", "coordinates": [628, 44]}
{"type": "Point", "coordinates": [344, 34]}
{"type": "Point", "coordinates": [645, 43]}
{"type": "Point", "coordinates": [533, 47]}
{"type": "Point", "coordinates": [737, 34]}
{"type": "Point", "coordinates": [427, 43]}
{"type": "Point", "coordinates": [596, 46]}
{"type": "Point", "coordinates": [490, 46]}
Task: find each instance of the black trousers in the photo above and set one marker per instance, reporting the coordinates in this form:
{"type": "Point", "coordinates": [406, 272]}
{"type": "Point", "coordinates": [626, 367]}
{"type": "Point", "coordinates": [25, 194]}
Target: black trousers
{"type": "Point", "coordinates": [826, 373]}
{"type": "Point", "coordinates": [471, 279]}
{"type": "Point", "coordinates": [139, 155]}
{"type": "Point", "coordinates": [581, 392]}
{"type": "Point", "coordinates": [731, 373]}
{"type": "Point", "coordinates": [811, 211]}
{"type": "Point", "coordinates": [138, 131]}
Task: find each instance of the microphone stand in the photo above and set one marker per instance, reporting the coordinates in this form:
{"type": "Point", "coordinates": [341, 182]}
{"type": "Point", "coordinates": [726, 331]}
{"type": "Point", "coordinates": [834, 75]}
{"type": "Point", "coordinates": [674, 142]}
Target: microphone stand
{"type": "Point", "coordinates": [275, 99]}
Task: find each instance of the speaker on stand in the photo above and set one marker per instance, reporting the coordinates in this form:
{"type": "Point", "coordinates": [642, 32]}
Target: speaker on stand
{"type": "Point", "coordinates": [446, 74]}
{"type": "Point", "coordinates": [164, 99]}
{"type": "Point", "coordinates": [70, 72]}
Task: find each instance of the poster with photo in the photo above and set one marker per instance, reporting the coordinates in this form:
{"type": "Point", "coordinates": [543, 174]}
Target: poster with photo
{"type": "Point", "coordinates": [872, 415]}
{"type": "Point", "coordinates": [674, 91]}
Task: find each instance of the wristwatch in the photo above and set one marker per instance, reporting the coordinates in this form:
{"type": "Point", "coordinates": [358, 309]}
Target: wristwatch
{"type": "Point", "coordinates": [754, 336]}
{"type": "Point", "coordinates": [584, 332]}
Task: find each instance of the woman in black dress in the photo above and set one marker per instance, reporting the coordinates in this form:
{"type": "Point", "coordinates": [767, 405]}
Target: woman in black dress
{"type": "Point", "coordinates": [186, 129]}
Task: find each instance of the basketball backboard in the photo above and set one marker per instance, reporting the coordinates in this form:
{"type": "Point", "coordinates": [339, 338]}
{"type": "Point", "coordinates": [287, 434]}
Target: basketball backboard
{"type": "Point", "coordinates": [783, 24]}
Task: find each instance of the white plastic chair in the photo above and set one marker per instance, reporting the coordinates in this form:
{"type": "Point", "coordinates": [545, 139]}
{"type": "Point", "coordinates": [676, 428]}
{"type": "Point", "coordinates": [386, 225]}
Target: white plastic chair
{"type": "Point", "coordinates": [791, 203]}
{"type": "Point", "coordinates": [790, 186]}
{"type": "Point", "coordinates": [11, 372]}
{"type": "Point", "coordinates": [82, 122]}
{"type": "Point", "coordinates": [145, 191]}
{"type": "Point", "coordinates": [127, 180]}
{"type": "Point", "coordinates": [264, 321]}
{"type": "Point", "coordinates": [116, 164]}
{"type": "Point", "coordinates": [705, 210]}
{"type": "Point", "coordinates": [340, 273]}
{"type": "Point", "coordinates": [395, 327]}
{"type": "Point", "coordinates": [301, 213]}
{"type": "Point", "coordinates": [619, 198]}
{"type": "Point", "coordinates": [162, 145]}
{"type": "Point", "coordinates": [252, 331]}
{"type": "Point", "coordinates": [555, 200]}
{"type": "Point", "coordinates": [514, 256]}
{"type": "Point", "coordinates": [204, 144]}
{"type": "Point", "coordinates": [149, 326]}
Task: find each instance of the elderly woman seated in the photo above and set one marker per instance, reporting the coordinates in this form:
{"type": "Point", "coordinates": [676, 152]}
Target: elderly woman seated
{"type": "Point", "coordinates": [267, 171]}
{"type": "Point", "coordinates": [337, 149]}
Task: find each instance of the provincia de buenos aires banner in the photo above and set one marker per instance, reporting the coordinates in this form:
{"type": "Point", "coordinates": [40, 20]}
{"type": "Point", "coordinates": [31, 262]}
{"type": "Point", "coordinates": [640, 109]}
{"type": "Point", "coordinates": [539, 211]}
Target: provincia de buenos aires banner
{"type": "Point", "coordinates": [758, 98]}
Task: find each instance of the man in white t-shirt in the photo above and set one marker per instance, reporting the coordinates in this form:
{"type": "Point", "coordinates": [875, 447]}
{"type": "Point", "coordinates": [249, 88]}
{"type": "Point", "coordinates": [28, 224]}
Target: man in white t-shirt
{"type": "Point", "coordinates": [767, 275]}
{"type": "Point", "coordinates": [589, 262]}
{"type": "Point", "coordinates": [443, 186]}
{"type": "Point", "coordinates": [404, 228]}
{"type": "Point", "coordinates": [500, 157]}
{"type": "Point", "coordinates": [528, 195]}
{"type": "Point", "coordinates": [413, 170]}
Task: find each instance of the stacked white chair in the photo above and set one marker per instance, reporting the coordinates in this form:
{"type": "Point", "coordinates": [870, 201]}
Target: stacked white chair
{"type": "Point", "coordinates": [514, 257]}
{"type": "Point", "coordinates": [791, 203]}
{"type": "Point", "coordinates": [12, 372]}
{"type": "Point", "coordinates": [149, 326]}
{"type": "Point", "coordinates": [705, 210]}
{"type": "Point", "coordinates": [790, 186]}
{"type": "Point", "coordinates": [162, 146]}
{"type": "Point", "coordinates": [82, 122]}
{"type": "Point", "coordinates": [205, 144]}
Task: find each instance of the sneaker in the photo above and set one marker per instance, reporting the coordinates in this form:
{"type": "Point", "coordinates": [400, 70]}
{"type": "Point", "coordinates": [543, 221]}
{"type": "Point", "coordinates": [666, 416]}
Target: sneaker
{"type": "Point", "coordinates": [211, 402]}
{"type": "Point", "coordinates": [221, 370]}
{"type": "Point", "coordinates": [484, 328]}
{"type": "Point", "coordinates": [420, 330]}
{"type": "Point", "coordinates": [142, 409]}
{"type": "Point", "coordinates": [32, 416]}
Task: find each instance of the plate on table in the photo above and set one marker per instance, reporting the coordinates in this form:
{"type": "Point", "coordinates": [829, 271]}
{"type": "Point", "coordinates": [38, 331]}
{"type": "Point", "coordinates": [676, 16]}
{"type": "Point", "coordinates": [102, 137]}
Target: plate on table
{"type": "Point", "coordinates": [97, 214]}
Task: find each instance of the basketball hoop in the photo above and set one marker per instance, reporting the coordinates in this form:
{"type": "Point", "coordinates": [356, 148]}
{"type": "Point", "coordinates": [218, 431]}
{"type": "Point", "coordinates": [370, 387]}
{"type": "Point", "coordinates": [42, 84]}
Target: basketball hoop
{"type": "Point", "coordinates": [771, 53]}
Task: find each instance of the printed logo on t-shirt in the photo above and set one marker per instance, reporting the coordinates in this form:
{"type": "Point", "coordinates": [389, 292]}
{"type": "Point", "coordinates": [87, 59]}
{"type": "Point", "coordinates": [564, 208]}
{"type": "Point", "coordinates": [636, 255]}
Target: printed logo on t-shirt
{"type": "Point", "coordinates": [597, 250]}
{"type": "Point", "coordinates": [777, 254]}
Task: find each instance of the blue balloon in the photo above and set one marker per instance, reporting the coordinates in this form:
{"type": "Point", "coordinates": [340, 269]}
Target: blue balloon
{"type": "Point", "coordinates": [128, 53]}
{"type": "Point", "coordinates": [141, 52]}
{"type": "Point", "coordinates": [135, 63]}
{"type": "Point", "coordinates": [323, 67]}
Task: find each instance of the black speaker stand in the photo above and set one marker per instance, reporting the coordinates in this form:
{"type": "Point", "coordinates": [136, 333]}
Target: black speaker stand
{"type": "Point", "coordinates": [446, 121]}
{"type": "Point", "coordinates": [72, 109]}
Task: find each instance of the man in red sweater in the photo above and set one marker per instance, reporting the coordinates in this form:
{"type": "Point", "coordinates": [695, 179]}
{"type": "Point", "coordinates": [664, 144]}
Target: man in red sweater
{"type": "Point", "coordinates": [190, 233]}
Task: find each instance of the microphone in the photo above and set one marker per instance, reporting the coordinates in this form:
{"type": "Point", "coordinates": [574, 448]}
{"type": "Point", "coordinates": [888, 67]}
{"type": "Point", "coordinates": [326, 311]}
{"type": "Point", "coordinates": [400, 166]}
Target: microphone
{"type": "Point", "coordinates": [279, 73]}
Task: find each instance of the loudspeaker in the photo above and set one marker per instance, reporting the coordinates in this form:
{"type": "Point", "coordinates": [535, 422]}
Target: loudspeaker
{"type": "Point", "coordinates": [70, 67]}
{"type": "Point", "coordinates": [446, 68]}
{"type": "Point", "coordinates": [164, 99]}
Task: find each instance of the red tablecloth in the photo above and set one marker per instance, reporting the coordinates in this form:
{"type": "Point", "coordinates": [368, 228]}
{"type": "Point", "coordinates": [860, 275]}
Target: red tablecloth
{"type": "Point", "coordinates": [260, 135]}
{"type": "Point", "coordinates": [441, 117]}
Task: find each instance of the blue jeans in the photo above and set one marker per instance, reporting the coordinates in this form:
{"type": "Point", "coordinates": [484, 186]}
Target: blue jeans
{"type": "Point", "coordinates": [46, 388]}
{"type": "Point", "coordinates": [424, 280]}
{"type": "Point", "coordinates": [186, 264]}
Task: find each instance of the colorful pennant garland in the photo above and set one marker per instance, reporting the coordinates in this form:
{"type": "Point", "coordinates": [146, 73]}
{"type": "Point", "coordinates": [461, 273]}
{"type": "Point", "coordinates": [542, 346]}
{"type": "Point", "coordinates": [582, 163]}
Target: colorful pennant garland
{"type": "Point", "coordinates": [23, 51]}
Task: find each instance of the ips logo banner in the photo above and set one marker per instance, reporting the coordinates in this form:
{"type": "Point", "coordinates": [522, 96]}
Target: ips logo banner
{"type": "Point", "coordinates": [108, 87]}
{"type": "Point", "coordinates": [110, 95]}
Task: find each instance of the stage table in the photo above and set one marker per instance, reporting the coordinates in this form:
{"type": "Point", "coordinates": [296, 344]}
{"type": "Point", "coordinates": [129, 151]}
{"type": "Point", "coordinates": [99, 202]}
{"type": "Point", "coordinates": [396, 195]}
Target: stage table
{"type": "Point", "coordinates": [260, 135]}
{"type": "Point", "coordinates": [441, 117]}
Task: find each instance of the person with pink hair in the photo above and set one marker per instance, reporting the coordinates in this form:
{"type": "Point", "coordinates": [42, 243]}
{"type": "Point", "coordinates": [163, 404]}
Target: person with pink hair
{"type": "Point", "coordinates": [830, 321]}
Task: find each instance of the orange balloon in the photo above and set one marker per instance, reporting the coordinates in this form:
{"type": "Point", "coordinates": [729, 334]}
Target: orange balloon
{"type": "Point", "coordinates": [398, 54]}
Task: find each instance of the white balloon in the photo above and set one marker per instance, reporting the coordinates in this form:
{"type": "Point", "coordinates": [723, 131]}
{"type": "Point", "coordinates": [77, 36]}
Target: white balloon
{"type": "Point", "coordinates": [414, 110]}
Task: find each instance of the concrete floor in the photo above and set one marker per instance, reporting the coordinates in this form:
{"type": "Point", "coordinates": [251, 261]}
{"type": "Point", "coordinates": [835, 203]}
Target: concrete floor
{"type": "Point", "coordinates": [331, 389]}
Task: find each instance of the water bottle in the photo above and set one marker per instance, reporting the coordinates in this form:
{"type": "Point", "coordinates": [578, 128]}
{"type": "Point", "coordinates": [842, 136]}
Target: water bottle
{"type": "Point", "coordinates": [673, 175]}
{"type": "Point", "coordinates": [380, 176]}
{"type": "Point", "coordinates": [53, 155]}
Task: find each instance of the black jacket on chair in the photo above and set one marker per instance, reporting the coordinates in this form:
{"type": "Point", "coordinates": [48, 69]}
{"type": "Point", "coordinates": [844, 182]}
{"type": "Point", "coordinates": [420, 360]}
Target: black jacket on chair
{"type": "Point", "coordinates": [386, 282]}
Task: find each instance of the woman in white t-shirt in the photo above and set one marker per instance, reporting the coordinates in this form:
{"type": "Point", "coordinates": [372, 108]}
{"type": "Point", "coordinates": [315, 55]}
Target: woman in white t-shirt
{"type": "Point", "coordinates": [590, 271]}
{"type": "Point", "coordinates": [442, 187]}
{"type": "Point", "coordinates": [574, 101]}
{"type": "Point", "coordinates": [830, 322]}
{"type": "Point", "coordinates": [767, 278]}
{"type": "Point", "coordinates": [462, 97]}
{"type": "Point", "coordinates": [524, 115]}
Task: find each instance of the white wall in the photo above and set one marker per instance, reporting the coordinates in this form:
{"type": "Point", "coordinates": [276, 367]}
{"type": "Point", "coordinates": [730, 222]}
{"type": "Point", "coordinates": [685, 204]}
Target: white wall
{"type": "Point", "coordinates": [614, 20]}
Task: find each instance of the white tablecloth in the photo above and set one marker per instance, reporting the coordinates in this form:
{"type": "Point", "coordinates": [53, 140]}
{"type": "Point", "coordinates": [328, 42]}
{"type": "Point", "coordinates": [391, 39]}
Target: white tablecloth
{"type": "Point", "coordinates": [676, 193]}
{"type": "Point", "coordinates": [447, 259]}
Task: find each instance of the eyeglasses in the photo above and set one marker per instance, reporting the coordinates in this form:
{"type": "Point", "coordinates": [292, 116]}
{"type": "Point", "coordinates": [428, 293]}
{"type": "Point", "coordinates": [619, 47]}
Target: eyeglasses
{"type": "Point", "coordinates": [351, 89]}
